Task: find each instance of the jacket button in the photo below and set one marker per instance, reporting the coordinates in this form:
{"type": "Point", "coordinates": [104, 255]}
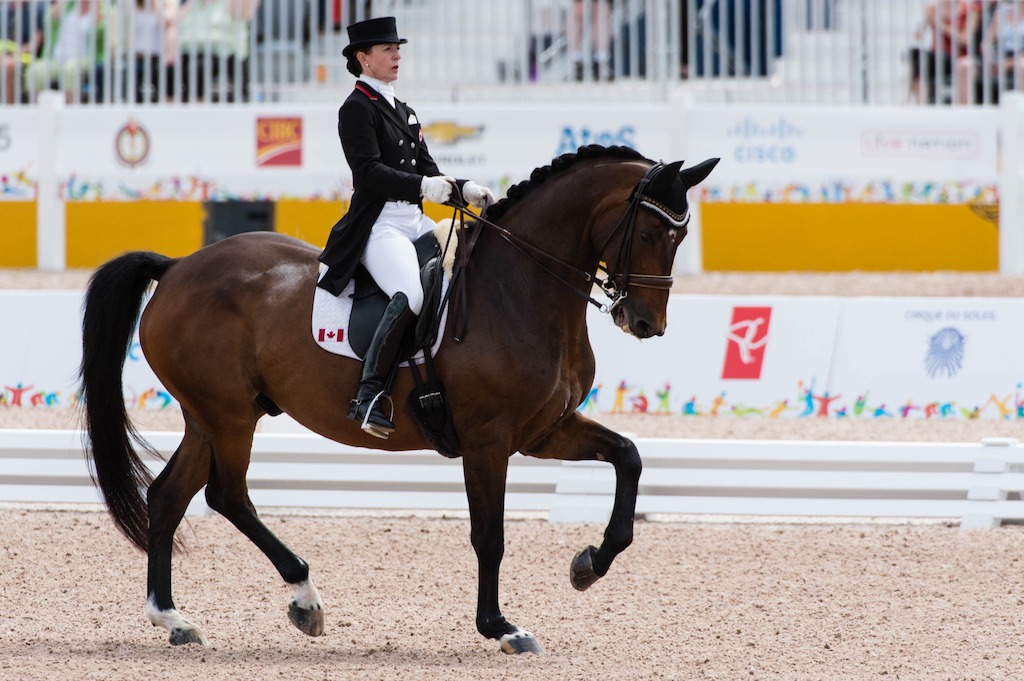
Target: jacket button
{"type": "Point", "coordinates": [412, 144]}
{"type": "Point", "coordinates": [401, 142]}
{"type": "Point", "coordinates": [402, 162]}
{"type": "Point", "coordinates": [413, 161]}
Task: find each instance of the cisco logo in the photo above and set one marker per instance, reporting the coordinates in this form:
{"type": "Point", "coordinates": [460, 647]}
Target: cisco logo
{"type": "Point", "coordinates": [765, 142]}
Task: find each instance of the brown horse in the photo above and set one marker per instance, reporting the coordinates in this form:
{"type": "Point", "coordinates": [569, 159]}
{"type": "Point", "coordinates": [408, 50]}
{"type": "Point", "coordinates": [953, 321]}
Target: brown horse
{"type": "Point", "coordinates": [227, 332]}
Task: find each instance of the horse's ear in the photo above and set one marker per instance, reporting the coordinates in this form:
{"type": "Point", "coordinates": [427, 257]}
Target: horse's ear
{"type": "Point", "coordinates": [691, 177]}
{"type": "Point", "coordinates": [662, 182]}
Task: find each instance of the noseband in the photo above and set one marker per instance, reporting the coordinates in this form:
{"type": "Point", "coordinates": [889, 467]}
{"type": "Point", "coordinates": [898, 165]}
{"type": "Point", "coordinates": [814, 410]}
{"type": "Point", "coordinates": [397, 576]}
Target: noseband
{"type": "Point", "coordinates": [618, 279]}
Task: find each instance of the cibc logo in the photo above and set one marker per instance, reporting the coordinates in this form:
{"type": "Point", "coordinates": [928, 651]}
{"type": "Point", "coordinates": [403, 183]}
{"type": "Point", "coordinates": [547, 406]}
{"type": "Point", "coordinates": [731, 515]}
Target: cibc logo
{"type": "Point", "coordinates": [746, 339]}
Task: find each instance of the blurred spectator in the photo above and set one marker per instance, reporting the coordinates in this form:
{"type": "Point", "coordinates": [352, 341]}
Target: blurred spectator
{"type": "Point", "coordinates": [214, 39]}
{"type": "Point", "coordinates": [949, 32]}
{"type": "Point", "coordinates": [71, 51]}
{"type": "Point", "coordinates": [20, 43]}
{"type": "Point", "coordinates": [593, 23]}
{"type": "Point", "coordinates": [1000, 64]}
{"type": "Point", "coordinates": [151, 44]}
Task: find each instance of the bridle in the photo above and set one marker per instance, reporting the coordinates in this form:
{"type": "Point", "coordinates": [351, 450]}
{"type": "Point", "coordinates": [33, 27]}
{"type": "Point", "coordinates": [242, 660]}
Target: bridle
{"type": "Point", "coordinates": [617, 279]}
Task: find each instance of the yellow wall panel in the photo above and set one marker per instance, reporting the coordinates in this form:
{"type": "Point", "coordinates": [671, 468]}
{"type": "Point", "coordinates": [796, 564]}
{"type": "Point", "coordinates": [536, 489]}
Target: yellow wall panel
{"type": "Point", "coordinates": [310, 221]}
{"type": "Point", "coordinates": [18, 234]}
{"type": "Point", "coordinates": [100, 230]}
{"type": "Point", "coordinates": [757, 237]}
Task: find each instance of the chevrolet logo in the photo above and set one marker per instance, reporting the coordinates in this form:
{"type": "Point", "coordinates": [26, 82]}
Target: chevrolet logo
{"type": "Point", "coordinates": [450, 132]}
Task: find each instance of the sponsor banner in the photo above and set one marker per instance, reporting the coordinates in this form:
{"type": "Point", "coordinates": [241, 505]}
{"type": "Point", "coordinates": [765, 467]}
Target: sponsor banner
{"type": "Point", "coordinates": [817, 357]}
{"type": "Point", "coordinates": [278, 141]}
{"type": "Point", "coordinates": [721, 356]}
{"type": "Point", "coordinates": [785, 154]}
{"type": "Point", "coordinates": [502, 146]}
{"type": "Point", "coordinates": [927, 357]}
{"type": "Point", "coordinates": [42, 351]}
{"type": "Point", "coordinates": [225, 153]}
{"type": "Point", "coordinates": [770, 154]}
{"type": "Point", "coordinates": [18, 150]}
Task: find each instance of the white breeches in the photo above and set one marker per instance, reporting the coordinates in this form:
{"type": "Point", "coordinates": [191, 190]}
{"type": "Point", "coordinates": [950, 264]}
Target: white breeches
{"type": "Point", "coordinates": [390, 256]}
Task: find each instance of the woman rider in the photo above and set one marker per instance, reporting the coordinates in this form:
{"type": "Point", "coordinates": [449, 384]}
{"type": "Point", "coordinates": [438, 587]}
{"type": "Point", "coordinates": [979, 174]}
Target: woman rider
{"type": "Point", "coordinates": [392, 173]}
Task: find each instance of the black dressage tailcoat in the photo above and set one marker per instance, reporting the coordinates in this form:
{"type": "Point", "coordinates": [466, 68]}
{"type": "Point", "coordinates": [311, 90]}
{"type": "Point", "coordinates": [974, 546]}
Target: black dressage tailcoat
{"type": "Point", "coordinates": [384, 148]}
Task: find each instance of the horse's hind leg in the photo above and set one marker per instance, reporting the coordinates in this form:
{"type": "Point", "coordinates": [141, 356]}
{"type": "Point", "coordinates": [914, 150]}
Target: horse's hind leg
{"type": "Point", "coordinates": [228, 494]}
{"type": "Point", "coordinates": [168, 497]}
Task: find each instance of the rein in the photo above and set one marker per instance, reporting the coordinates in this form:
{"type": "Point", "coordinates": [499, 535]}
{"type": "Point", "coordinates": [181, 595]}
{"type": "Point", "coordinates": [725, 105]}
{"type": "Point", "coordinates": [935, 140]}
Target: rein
{"type": "Point", "coordinates": [614, 285]}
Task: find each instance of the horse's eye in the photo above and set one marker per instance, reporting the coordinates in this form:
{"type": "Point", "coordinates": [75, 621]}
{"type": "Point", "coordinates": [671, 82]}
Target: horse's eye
{"type": "Point", "coordinates": [646, 237]}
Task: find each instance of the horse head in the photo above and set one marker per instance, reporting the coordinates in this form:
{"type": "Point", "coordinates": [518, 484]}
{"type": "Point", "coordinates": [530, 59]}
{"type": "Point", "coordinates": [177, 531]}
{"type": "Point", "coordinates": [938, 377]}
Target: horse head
{"type": "Point", "coordinates": [655, 224]}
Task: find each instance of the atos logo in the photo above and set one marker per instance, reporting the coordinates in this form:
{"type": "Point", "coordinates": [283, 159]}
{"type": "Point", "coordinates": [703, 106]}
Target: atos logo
{"type": "Point", "coordinates": [746, 339]}
{"type": "Point", "coordinates": [572, 139]}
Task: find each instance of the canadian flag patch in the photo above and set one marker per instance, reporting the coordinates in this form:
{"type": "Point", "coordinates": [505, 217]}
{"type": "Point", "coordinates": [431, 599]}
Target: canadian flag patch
{"type": "Point", "coordinates": [328, 335]}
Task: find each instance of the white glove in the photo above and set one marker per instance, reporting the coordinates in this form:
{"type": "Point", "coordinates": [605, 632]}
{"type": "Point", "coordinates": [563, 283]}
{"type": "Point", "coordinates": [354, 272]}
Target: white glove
{"type": "Point", "coordinates": [437, 189]}
{"type": "Point", "coordinates": [479, 196]}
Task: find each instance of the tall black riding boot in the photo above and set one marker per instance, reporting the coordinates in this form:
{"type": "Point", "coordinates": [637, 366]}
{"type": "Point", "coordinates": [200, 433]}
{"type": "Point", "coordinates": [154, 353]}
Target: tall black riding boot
{"type": "Point", "coordinates": [378, 366]}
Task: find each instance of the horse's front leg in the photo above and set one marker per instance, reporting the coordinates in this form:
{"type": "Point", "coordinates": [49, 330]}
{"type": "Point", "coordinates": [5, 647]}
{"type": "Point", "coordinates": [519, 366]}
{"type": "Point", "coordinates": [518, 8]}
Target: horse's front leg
{"type": "Point", "coordinates": [485, 488]}
{"type": "Point", "coordinates": [578, 438]}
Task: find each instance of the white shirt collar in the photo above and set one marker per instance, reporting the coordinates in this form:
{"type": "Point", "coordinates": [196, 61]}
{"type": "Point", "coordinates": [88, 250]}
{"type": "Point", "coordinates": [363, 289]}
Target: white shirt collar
{"type": "Point", "coordinates": [387, 90]}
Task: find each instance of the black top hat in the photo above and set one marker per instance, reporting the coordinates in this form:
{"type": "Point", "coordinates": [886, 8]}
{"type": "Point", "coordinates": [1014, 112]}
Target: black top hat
{"type": "Point", "coordinates": [371, 32]}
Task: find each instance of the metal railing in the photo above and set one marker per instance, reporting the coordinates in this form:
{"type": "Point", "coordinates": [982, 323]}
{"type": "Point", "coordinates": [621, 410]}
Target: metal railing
{"type": "Point", "coordinates": [862, 52]}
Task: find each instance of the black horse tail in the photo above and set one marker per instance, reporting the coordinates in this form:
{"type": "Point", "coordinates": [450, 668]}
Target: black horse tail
{"type": "Point", "coordinates": [113, 304]}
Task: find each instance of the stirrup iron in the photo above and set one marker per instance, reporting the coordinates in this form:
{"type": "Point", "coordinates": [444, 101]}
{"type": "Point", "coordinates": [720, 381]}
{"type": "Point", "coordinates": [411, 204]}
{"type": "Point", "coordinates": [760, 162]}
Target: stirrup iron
{"type": "Point", "coordinates": [372, 428]}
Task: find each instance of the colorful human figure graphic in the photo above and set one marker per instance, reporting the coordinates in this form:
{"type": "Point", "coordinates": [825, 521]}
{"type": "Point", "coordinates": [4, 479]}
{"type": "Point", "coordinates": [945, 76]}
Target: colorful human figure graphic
{"type": "Point", "coordinates": [931, 409]}
{"type": "Point", "coordinates": [971, 414]}
{"type": "Point", "coordinates": [43, 399]}
{"type": "Point", "coordinates": [618, 407]}
{"type": "Point", "coordinates": [907, 408]}
{"type": "Point", "coordinates": [690, 407]}
{"type": "Point", "coordinates": [778, 409]}
{"type": "Point", "coordinates": [858, 406]}
{"type": "Point", "coordinates": [639, 403]}
{"type": "Point", "coordinates": [823, 403]}
{"type": "Point", "coordinates": [743, 410]}
{"type": "Point", "coordinates": [946, 409]}
{"type": "Point", "coordinates": [145, 397]}
{"type": "Point", "coordinates": [807, 396]}
{"type": "Point", "coordinates": [717, 403]}
{"type": "Point", "coordinates": [880, 411]}
{"type": "Point", "coordinates": [663, 399]}
{"type": "Point", "coordinates": [16, 393]}
{"type": "Point", "coordinates": [1005, 412]}
{"type": "Point", "coordinates": [589, 404]}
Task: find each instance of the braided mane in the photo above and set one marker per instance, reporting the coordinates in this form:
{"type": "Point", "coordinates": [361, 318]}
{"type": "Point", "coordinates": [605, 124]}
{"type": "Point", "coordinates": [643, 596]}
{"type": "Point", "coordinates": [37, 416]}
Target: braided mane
{"type": "Point", "coordinates": [518, 192]}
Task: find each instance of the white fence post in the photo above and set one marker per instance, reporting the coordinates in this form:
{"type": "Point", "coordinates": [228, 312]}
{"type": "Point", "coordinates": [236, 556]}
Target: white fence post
{"type": "Point", "coordinates": [50, 220]}
{"type": "Point", "coordinates": [1011, 225]}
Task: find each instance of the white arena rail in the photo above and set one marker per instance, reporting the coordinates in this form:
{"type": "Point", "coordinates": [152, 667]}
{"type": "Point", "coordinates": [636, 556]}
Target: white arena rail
{"type": "Point", "coordinates": [978, 484]}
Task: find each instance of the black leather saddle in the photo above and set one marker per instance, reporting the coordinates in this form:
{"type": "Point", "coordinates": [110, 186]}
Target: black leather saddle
{"type": "Point", "coordinates": [369, 301]}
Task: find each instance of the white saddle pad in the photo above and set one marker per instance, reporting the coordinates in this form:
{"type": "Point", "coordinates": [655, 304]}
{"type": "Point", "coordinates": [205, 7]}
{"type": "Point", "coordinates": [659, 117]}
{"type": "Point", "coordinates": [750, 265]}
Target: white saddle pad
{"type": "Point", "coordinates": [331, 315]}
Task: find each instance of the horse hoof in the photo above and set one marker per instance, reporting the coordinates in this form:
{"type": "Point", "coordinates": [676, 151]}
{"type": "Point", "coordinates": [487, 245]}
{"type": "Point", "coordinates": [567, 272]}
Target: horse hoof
{"type": "Point", "coordinates": [581, 572]}
{"type": "Point", "coordinates": [309, 622]}
{"type": "Point", "coordinates": [182, 635]}
{"type": "Point", "coordinates": [520, 641]}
